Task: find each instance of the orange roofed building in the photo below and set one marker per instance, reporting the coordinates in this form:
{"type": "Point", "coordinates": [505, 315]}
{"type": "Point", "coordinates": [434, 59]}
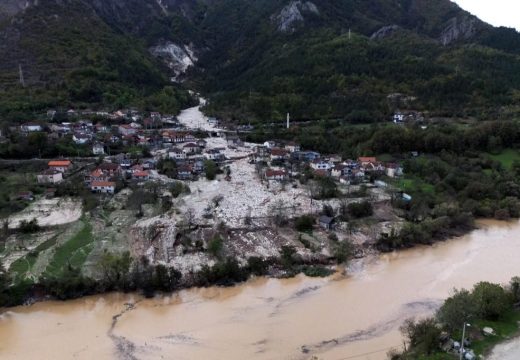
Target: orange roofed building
{"type": "Point", "coordinates": [60, 165]}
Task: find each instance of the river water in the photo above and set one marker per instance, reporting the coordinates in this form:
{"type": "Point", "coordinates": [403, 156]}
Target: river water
{"type": "Point", "coordinates": [342, 317]}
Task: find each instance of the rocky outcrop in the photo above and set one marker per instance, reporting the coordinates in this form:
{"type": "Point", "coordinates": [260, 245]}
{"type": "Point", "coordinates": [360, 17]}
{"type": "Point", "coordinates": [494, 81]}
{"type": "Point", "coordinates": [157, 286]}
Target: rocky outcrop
{"type": "Point", "coordinates": [385, 32]}
{"type": "Point", "coordinates": [459, 28]}
{"type": "Point", "coordinates": [293, 15]}
{"type": "Point", "coordinates": [178, 57]}
{"type": "Point", "coordinates": [9, 8]}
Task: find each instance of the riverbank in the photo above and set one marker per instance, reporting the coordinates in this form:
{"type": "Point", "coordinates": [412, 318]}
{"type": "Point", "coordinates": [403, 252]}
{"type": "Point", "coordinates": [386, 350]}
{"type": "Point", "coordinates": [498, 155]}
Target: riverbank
{"type": "Point", "coordinates": [263, 318]}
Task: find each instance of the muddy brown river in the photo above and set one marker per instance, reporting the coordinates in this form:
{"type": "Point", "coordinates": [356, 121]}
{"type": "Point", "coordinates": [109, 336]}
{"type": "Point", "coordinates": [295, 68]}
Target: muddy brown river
{"type": "Point", "coordinates": [342, 317]}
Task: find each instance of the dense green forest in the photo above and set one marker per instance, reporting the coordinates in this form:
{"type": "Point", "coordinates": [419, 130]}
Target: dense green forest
{"type": "Point", "coordinates": [259, 60]}
{"type": "Point", "coordinates": [71, 58]}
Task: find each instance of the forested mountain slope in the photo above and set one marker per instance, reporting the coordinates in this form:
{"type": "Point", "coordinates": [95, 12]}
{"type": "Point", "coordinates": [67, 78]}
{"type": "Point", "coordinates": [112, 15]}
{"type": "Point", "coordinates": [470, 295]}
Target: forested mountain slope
{"type": "Point", "coordinates": [260, 59]}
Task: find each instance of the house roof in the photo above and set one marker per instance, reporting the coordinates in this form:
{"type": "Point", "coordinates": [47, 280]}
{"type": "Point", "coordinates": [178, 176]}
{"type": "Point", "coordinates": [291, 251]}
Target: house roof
{"type": "Point", "coordinates": [97, 173]}
{"type": "Point", "coordinates": [190, 145]}
{"type": "Point", "coordinates": [278, 152]}
{"type": "Point", "coordinates": [271, 173]}
{"type": "Point", "coordinates": [368, 159]}
{"type": "Point", "coordinates": [59, 163]}
{"type": "Point", "coordinates": [143, 173]}
{"type": "Point", "coordinates": [109, 166]}
{"type": "Point", "coordinates": [102, 184]}
{"type": "Point", "coordinates": [326, 220]}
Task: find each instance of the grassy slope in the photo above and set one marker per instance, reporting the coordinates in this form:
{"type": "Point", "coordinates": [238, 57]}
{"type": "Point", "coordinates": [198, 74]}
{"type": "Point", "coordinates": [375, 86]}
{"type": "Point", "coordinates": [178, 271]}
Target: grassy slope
{"type": "Point", "coordinates": [506, 157]}
{"type": "Point", "coordinates": [73, 252]}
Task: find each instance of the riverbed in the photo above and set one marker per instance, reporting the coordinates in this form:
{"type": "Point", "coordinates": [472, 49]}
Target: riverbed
{"type": "Point", "coordinates": [356, 316]}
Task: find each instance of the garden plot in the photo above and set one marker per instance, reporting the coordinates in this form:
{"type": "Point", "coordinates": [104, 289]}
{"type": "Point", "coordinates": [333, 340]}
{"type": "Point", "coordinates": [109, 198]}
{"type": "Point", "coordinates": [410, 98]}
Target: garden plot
{"type": "Point", "coordinates": [49, 212]}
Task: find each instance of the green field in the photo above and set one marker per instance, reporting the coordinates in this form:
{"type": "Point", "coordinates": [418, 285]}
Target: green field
{"type": "Point", "coordinates": [506, 157]}
{"type": "Point", "coordinates": [411, 185]}
{"type": "Point", "coordinates": [24, 265]}
{"type": "Point", "coordinates": [74, 252]}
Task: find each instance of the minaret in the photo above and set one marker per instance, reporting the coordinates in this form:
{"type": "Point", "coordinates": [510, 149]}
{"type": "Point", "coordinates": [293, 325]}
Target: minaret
{"type": "Point", "coordinates": [288, 121]}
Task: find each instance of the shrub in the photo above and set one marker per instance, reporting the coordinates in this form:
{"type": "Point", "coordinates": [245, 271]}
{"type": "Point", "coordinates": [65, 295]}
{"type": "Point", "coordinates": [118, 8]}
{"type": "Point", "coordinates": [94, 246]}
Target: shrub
{"type": "Point", "coordinates": [304, 223]}
{"type": "Point", "coordinates": [360, 210]}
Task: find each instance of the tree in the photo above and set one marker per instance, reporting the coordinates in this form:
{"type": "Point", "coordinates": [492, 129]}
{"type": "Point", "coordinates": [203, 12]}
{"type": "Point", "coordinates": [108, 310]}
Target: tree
{"type": "Point", "coordinates": [115, 268]}
{"type": "Point", "coordinates": [491, 300]}
{"type": "Point", "coordinates": [343, 251]}
{"type": "Point", "coordinates": [215, 246]}
{"type": "Point", "coordinates": [211, 169]}
{"type": "Point", "coordinates": [304, 223]}
{"type": "Point", "coordinates": [257, 265]}
{"type": "Point", "coordinates": [423, 335]}
{"type": "Point", "coordinates": [360, 210]}
{"type": "Point", "coordinates": [514, 285]}
{"type": "Point", "coordinates": [456, 310]}
{"type": "Point", "coordinates": [288, 254]}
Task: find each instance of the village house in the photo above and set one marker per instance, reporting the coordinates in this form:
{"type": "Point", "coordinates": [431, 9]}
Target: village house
{"type": "Point", "coordinates": [50, 176]}
{"type": "Point", "coordinates": [141, 175]}
{"type": "Point", "coordinates": [261, 151]}
{"type": "Point", "coordinates": [190, 149]}
{"type": "Point", "coordinates": [105, 187]}
{"type": "Point", "coordinates": [269, 144]}
{"type": "Point", "coordinates": [292, 147]}
{"type": "Point", "coordinates": [276, 175]}
{"type": "Point", "coordinates": [213, 121]}
{"type": "Point", "coordinates": [176, 154]}
{"type": "Point", "coordinates": [365, 160]}
{"type": "Point", "coordinates": [339, 170]}
{"type": "Point", "coordinates": [31, 127]}
{"type": "Point", "coordinates": [60, 165]}
{"type": "Point", "coordinates": [127, 130]}
{"type": "Point", "coordinates": [80, 139]}
{"type": "Point", "coordinates": [309, 155]}
{"type": "Point", "coordinates": [201, 143]}
{"type": "Point", "coordinates": [278, 154]}
{"type": "Point", "coordinates": [374, 167]}
{"type": "Point", "coordinates": [214, 154]}
{"type": "Point", "coordinates": [98, 149]}
{"type": "Point", "coordinates": [326, 223]}
{"type": "Point", "coordinates": [320, 164]}
{"type": "Point", "coordinates": [233, 140]}
{"type": "Point", "coordinates": [393, 170]}
{"type": "Point", "coordinates": [110, 169]}
{"type": "Point", "coordinates": [184, 172]}
{"type": "Point", "coordinates": [125, 163]}
{"type": "Point", "coordinates": [174, 137]}
{"type": "Point", "coordinates": [96, 175]}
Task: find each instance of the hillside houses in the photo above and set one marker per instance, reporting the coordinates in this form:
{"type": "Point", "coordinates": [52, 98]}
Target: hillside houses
{"type": "Point", "coordinates": [50, 176]}
{"type": "Point", "coordinates": [60, 165]}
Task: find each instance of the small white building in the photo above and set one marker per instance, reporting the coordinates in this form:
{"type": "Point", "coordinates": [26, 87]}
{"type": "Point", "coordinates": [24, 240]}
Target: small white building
{"type": "Point", "coordinates": [214, 155]}
{"type": "Point", "coordinates": [80, 139]}
{"type": "Point", "coordinates": [31, 127]}
{"type": "Point", "coordinates": [190, 148]}
{"type": "Point", "coordinates": [98, 149]}
{"type": "Point", "coordinates": [105, 187]}
{"type": "Point", "coordinates": [319, 164]}
{"type": "Point", "coordinates": [176, 154]}
{"type": "Point", "coordinates": [50, 176]}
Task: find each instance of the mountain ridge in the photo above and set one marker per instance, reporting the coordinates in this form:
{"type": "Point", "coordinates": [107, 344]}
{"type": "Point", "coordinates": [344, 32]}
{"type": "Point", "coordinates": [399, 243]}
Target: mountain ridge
{"type": "Point", "coordinates": [240, 48]}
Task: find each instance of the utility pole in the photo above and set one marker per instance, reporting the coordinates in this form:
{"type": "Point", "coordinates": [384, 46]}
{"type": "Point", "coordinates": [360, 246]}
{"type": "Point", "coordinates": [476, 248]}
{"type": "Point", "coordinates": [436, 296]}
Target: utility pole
{"type": "Point", "coordinates": [463, 338]}
{"type": "Point", "coordinates": [22, 80]}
